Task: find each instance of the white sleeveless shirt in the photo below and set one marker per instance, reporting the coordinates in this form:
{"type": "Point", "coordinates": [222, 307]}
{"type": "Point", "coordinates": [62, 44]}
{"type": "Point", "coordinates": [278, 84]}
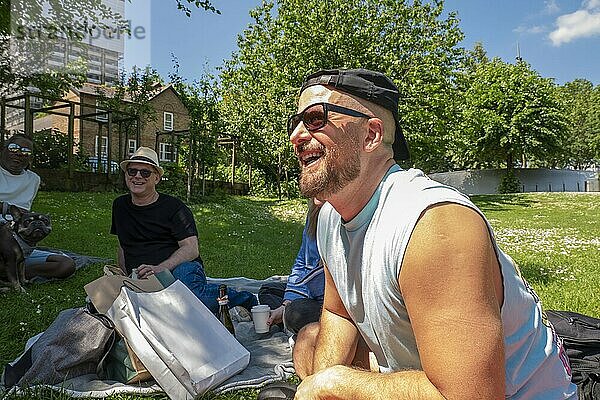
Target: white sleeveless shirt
{"type": "Point", "coordinates": [365, 256]}
{"type": "Point", "coordinates": [19, 190]}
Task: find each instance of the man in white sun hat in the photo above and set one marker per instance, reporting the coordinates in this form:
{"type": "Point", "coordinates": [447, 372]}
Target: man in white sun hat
{"type": "Point", "coordinates": [157, 232]}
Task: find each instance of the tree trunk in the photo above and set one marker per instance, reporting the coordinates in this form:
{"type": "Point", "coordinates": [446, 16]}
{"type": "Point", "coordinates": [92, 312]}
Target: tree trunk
{"type": "Point", "coordinates": [279, 176]}
{"type": "Point", "coordinates": [287, 184]}
{"type": "Point", "coordinates": [203, 179]}
{"type": "Point", "coordinates": [509, 162]}
{"type": "Point", "coordinates": [250, 175]}
{"type": "Point", "coordinates": [188, 193]}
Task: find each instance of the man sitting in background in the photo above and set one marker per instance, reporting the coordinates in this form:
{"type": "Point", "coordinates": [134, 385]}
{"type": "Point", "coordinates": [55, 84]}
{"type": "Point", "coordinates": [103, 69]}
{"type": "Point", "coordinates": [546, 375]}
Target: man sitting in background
{"type": "Point", "coordinates": [19, 186]}
{"type": "Point", "coordinates": [158, 232]}
{"type": "Point", "coordinates": [298, 303]}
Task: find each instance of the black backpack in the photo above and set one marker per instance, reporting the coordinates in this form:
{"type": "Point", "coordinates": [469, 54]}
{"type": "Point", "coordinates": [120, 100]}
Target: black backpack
{"type": "Point", "coordinates": [581, 340]}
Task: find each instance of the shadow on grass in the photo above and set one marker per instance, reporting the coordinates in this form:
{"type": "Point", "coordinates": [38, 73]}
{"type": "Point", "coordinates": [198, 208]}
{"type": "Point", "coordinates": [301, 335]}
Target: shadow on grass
{"type": "Point", "coordinates": [501, 202]}
{"type": "Point", "coordinates": [536, 272]}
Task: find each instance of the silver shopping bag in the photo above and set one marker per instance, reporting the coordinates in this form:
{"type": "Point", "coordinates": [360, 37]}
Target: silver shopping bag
{"type": "Point", "coordinates": [181, 343]}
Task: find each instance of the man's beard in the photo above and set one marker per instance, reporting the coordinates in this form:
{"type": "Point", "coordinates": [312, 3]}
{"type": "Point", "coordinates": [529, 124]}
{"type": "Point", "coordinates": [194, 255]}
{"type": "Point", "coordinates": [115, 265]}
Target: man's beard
{"type": "Point", "coordinates": [12, 164]}
{"type": "Point", "coordinates": [339, 167]}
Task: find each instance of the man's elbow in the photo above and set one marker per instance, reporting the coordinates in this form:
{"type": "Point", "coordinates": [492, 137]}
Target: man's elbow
{"type": "Point", "coordinates": [188, 248]}
{"type": "Point", "coordinates": [193, 251]}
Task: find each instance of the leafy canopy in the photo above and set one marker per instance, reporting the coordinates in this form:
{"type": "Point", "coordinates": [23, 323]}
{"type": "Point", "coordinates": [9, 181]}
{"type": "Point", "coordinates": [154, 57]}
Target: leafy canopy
{"type": "Point", "coordinates": [509, 113]}
{"type": "Point", "coordinates": [410, 41]}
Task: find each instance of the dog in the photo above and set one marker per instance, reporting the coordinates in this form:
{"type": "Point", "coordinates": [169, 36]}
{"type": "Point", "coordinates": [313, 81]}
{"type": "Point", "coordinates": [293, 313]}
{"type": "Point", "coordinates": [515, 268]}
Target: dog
{"type": "Point", "coordinates": [18, 238]}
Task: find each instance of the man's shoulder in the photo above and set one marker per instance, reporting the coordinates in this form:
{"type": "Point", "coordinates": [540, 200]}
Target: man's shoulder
{"type": "Point", "coordinates": [122, 200]}
{"type": "Point", "coordinates": [4, 172]}
{"type": "Point", "coordinates": [171, 201]}
{"type": "Point", "coordinates": [31, 175]}
{"type": "Point", "coordinates": [25, 175]}
{"type": "Point", "coordinates": [412, 187]}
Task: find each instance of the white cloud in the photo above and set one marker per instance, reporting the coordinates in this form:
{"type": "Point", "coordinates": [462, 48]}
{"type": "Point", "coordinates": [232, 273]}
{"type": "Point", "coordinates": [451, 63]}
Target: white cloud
{"type": "Point", "coordinates": [591, 4]}
{"type": "Point", "coordinates": [534, 30]}
{"type": "Point", "coordinates": [582, 23]}
{"type": "Point", "coordinates": [550, 7]}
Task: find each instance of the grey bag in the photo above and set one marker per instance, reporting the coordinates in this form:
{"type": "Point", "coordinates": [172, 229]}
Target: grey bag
{"type": "Point", "coordinates": [73, 345]}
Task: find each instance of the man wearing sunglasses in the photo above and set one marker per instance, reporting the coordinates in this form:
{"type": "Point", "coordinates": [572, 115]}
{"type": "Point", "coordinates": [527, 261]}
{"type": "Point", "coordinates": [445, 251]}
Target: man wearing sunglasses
{"type": "Point", "coordinates": [19, 186]}
{"type": "Point", "coordinates": [412, 272]}
{"type": "Point", "coordinates": [158, 232]}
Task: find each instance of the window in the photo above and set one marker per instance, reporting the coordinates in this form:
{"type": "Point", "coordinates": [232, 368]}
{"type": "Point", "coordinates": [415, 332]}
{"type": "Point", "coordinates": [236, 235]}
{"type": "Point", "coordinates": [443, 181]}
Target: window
{"type": "Point", "coordinates": [102, 147]}
{"type": "Point", "coordinates": [165, 152]}
{"type": "Point", "coordinates": [100, 117]}
{"type": "Point", "coordinates": [94, 78]}
{"type": "Point", "coordinates": [168, 121]}
{"type": "Point", "coordinates": [131, 146]}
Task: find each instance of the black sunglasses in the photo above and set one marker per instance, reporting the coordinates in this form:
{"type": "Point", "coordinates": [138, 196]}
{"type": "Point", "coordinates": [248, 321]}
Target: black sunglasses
{"type": "Point", "coordinates": [145, 173]}
{"type": "Point", "coordinates": [16, 148]}
{"type": "Point", "coordinates": [315, 116]}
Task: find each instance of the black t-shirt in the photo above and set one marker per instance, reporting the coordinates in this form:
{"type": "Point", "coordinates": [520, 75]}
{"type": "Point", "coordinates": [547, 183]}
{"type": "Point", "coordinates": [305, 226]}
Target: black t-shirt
{"type": "Point", "coordinates": [149, 234]}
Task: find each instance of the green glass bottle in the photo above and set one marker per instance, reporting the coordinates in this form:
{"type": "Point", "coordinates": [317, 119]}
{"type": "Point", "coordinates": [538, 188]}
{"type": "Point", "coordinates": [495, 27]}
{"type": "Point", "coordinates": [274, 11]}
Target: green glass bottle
{"type": "Point", "coordinates": [223, 315]}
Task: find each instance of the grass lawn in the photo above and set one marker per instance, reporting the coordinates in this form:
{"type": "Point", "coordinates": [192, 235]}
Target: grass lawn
{"type": "Point", "coordinates": [554, 238]}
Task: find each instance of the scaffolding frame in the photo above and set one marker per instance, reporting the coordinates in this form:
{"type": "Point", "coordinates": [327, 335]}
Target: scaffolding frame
{"type": "Point", "coordinates": [67, 108]}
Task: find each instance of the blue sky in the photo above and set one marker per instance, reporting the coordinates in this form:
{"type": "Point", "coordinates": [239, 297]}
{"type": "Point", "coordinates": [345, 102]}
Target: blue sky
{"type": "Point", "coordinates": [559, 38]}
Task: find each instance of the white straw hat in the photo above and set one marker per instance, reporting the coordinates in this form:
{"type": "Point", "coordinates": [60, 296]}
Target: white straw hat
{"type": "Point", "coordinates": [143, 155]}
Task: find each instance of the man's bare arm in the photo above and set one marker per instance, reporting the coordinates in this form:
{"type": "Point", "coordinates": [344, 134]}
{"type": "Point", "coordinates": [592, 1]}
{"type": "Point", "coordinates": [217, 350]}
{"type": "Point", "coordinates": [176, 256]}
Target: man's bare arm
{"type": "Point", "coordinates": [346, 383]}
{"type": "Point", "coordinates": [121, 259]}
{"type": "Point", "coordinates": [452, 288]}
{"type": "Point", "coordinates": [338, 336]}
{"type": "Point", "coordinates": [451, 284]}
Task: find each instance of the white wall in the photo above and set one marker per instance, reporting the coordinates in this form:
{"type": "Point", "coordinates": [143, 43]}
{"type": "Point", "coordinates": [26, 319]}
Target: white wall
{"type": "Point", "coordinates": [532, 180]}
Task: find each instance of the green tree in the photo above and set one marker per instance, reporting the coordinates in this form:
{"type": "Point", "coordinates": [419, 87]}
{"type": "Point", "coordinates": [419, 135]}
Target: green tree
{"type": "Point", "coordinates": [205, 4]}
{"type": "Point", "coordinates": [474, 58]}
{"type": "Point", "coordinates": [511, 115]}
{"type": "Point", "coordinates": [595, 106]}
{"type": "Point", "coordinates": [410, 41]}
{"type": "Point", "coordinates": [51, 151]}
{"type": "Point", "coordinates": [129, 100]}
{"type": "Point", "coordinates": [581, 144]}
{"type": "Point", "coordinates": [69, 18]}
{"type": "Point", "coordinates": [35, 31]}
{"type": "Point", "coordinates": [201, 101]}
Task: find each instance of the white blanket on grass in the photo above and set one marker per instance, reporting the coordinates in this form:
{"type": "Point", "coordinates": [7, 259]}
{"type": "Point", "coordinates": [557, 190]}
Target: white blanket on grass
{"type": "Point", "coordinates": [270, 358]}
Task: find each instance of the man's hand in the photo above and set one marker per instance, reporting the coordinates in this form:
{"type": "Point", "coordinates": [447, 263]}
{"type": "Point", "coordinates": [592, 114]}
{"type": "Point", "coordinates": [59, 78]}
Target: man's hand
{"type": "Point", "coordinates": [187, 251]}
{"type": "Point", "coordinates": [145, 270]}
{"type": "Point", "coordinates": [319, 385]}
{"type": "Point", "coordinates": [276, 316]}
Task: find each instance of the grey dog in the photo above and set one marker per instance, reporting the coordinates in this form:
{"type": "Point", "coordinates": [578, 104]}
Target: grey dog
{"type": "Point", "coordinates": [18, 238]}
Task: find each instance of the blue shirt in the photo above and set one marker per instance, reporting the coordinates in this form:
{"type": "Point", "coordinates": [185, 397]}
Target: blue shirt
{"type": "Point", "coordinates": [307, 278]}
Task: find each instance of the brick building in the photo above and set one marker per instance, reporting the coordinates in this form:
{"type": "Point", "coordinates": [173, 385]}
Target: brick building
{"type": "Point", "coordinates": [91, 135]}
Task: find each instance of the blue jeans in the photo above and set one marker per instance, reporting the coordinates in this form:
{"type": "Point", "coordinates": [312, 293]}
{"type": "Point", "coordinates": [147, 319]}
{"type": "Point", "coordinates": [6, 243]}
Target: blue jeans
{"type": "Point", "coordinates": [191, 274]}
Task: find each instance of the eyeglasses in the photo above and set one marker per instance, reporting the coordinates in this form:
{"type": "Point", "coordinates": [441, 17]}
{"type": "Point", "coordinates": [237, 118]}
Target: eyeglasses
{"type": "Point", "coordinates": [16, 148]}
{"type": "Point", "coordinates": [315, 116]}
{"type": "Point", "coordinates": [145, 173]}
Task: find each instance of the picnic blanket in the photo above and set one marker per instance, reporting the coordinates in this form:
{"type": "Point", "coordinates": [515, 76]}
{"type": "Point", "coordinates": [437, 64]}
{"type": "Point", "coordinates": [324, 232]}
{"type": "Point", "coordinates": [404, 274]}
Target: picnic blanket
{"type": "Point", "coordinates": [270, 358]}
{"type": "Point", "coordinates": [81, 261]}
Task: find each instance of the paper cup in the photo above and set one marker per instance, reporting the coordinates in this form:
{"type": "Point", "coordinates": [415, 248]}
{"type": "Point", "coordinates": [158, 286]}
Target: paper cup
{"type": "Point", "coordinates": [260, 315]}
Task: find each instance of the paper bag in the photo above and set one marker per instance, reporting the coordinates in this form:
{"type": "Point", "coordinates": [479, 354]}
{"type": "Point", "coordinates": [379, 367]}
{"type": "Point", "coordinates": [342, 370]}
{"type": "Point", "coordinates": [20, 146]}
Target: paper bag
{"type": "Point", "coordinates": [104, 290]}
{"type": "Point", "coordinates": [181, 343]}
